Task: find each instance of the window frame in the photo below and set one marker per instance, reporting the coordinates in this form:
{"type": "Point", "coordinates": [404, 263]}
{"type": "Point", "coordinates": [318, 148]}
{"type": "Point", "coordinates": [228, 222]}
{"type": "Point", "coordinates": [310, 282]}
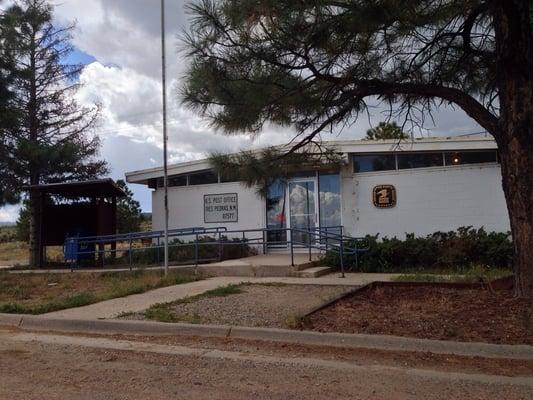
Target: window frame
{"type": "Point", "coordinates": [408, 153]}
{"type": "Point", "coordinates": [353, 155]}
{"type": "Point", "coordinates": [443, 165]}
{"type": "Point", "coordinates": [204, 172]}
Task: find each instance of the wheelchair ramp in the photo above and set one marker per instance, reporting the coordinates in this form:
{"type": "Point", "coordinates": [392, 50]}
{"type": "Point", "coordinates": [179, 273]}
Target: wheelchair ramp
{"type": "Point", "coordinates": [274, 265]}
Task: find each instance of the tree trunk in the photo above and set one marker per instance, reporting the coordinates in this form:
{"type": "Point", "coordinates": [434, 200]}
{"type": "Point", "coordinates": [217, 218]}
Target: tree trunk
{"type": "Point", "coordinates": [35, 207]}
{"type": "Point", "coordinates": [517, 174]}
{"type": "Point", "coordinates": [514, 50]}
{"type": "Point", "coordinates": [35, 204]}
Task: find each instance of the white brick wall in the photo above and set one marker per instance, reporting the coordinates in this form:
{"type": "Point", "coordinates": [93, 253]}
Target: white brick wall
{"type": "Point", "coordinates": [428, 200]}
{"type": "Point", "coordinates": [186, 207]}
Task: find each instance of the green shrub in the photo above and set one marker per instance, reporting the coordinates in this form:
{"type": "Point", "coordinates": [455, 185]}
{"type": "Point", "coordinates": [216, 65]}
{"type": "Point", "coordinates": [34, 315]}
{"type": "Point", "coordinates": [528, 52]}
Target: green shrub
{"type": "Point", "coordinates": [78, 300]}
{"type": "Point", "coordinates": [161, 313]}
{"type": "Point", "coordinates": [182, 252]}
{"type": "Point", "coordinates": [455, 251]}
{"type": "Point", "coordinates": [476, 273]}
{"type": "Point", "coordinates": [223, 291]}
{"type": "Point", "coordinates": [12, 308]}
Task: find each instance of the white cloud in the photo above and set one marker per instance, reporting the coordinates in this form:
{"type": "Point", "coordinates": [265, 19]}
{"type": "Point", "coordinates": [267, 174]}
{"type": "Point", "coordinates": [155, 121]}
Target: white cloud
{"type": "Point", "coordinates": [124, 36]}
{"type": "Point", "coordinates": [9, 214]}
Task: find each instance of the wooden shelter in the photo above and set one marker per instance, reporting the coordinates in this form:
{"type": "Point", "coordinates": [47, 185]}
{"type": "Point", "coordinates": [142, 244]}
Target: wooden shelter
{"type": "Point", "coordinates": [87, 208]}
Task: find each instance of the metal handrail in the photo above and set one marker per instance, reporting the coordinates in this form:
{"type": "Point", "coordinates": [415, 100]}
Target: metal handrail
{"type": "Point", "coordinates": [318, 238]}
{"type": "Point", "coordinates": [147, 234]}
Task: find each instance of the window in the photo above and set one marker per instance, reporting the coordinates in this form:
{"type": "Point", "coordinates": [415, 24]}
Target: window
{"type": "Point", "coordinates": [408, 160]}
{"type": "Point", "coordinates": [419, 160]}
{"type": "Point", "coordinates": [374, 162]}
{"type": "Point", "coordinates": [224, 179]}
{"type": "Point", "coordinates": [275, 208]}
{"type": "Point", "coordinates": [470, 157]}
{"type": "Point", "coordinates": [303, 174]}
{"type": "Point", "coordinates": [177, 180]}
{"type": "Point", "coordinates": [330, 199]}
{"type": "Point", "coordinates": [203, 178]}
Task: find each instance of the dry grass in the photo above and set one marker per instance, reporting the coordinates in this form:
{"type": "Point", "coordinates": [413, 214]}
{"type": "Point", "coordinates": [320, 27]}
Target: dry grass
{"type": "Point", "coordinates": [41, 293]}
{"type": "Point", "coordinates": [16, 253]}
{"type": "Point", "coordinates": [12, 253]}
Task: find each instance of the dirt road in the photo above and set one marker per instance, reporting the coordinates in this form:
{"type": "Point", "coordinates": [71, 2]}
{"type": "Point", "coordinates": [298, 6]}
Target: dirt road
{"type": "Point", "coordinates": [50, 366]}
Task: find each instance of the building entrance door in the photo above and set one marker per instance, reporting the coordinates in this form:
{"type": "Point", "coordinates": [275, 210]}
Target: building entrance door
{"type": "Point", "coordinates": [302, 194]}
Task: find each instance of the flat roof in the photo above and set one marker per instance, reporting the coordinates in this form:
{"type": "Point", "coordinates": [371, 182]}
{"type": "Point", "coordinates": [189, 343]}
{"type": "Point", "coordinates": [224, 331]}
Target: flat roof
{"type": "Point", "coordinates": [441, 143]}
{"type": "Point", "coordinates": [91, 188]}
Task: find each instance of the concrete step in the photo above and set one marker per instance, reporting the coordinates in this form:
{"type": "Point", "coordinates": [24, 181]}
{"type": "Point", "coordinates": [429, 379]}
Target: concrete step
{"type": "Point", "coordinates": [304, 266]}
{"type": "Point", "coordinates": [313, 272]}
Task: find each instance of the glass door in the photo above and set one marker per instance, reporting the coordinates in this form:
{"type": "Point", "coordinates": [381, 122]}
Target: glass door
{"type": "Point", "coordinates": [276, 211]}
{"type": "Point", "coordinates": [302, 196]}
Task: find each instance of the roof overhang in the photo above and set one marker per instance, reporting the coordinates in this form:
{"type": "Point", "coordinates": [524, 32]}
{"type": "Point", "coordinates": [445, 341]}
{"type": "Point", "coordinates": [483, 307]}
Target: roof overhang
{"type": "Point", "coordinates": [452, 143]}
{"type": "Point", "coordinates": [91, 188]}
{"type": "Point", "coordinates": [143, 176]}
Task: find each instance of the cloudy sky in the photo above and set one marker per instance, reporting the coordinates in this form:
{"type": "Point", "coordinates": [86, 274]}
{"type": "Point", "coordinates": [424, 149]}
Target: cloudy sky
{"type": "Point", "coordinates": [119, 40]}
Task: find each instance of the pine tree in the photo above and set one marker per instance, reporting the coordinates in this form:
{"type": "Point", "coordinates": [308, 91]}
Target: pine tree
{"type": "Point", "coordinates": [129, 214]}
{"type": "Point", "coordinates": [53, 142]}
{"type": "Point", "coordinates": [8, 119]}
{"type": "Point", "coordinates": [258, 169]}
{"type": "Point", "coordinates": [386, 130]}
{"type": "Point", "coordinates": [314, 65]}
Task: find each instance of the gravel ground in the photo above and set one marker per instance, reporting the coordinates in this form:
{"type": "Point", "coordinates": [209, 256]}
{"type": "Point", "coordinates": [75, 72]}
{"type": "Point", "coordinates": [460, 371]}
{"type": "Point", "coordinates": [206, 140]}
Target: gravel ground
{"type": "Point", "coordinates": [279, 306]}
{"type": "Point", "coordinates": [39, 370]}
{"type": "Point", "coordinates": [261, 305]}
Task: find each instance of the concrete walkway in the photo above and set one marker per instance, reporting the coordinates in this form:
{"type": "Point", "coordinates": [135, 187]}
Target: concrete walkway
{"type": "Point", "coordinates": [139, 302]}
{"type": "Point", "coordinates": [271, 264]}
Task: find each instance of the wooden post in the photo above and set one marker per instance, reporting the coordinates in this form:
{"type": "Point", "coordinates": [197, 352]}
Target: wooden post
{"type": "Point", "coordinates": [41, 230]}
{"type": "Point", "coordinates": [114, 225]}
{"type": "Point", "coordinates": [101, 246]}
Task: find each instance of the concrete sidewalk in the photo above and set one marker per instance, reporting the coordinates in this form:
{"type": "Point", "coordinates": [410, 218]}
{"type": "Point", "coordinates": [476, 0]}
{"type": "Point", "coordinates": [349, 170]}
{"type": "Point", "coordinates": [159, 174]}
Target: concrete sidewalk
{"type": "Point", "coordinates": [271, 264]}
{"type": "Point", "coordinates": [139, 302]}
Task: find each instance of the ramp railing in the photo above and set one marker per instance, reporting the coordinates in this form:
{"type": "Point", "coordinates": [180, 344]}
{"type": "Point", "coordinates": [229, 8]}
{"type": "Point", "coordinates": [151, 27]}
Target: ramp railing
{"type": "Point", "coordinates": [323, 239]}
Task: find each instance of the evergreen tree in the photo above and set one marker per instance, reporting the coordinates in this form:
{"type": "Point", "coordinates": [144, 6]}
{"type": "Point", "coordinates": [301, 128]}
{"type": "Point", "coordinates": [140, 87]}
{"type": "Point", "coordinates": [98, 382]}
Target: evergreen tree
{"type": "Point", "coordinates": [129, 215]}
{"type": "Point", "coordinates": [259, 169]}
{"type": "Point", "coordinates": [8, 118]}
{"type": "Point", "coordinates": [53, 142]}
{"type": "Point", "coordinates": [315, 64]}
{"type": "Point", "coordinates": [23, 223]}
{"type": "Point", "coordinates": [386, 130]}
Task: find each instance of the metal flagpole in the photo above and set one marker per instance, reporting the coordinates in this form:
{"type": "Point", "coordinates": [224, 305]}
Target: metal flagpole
{"type": "Point", "coordinates": [165, 138]}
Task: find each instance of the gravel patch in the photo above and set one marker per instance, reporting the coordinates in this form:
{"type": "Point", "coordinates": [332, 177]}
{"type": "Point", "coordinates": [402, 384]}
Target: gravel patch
{"type": "Point", "coordinates": [280, 306]}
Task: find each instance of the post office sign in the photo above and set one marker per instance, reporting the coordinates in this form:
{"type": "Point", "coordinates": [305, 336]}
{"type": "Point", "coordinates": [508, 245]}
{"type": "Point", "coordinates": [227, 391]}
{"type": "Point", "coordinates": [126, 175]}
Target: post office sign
{"type": "Point", "coordinates": [384, 196]}
{"type": "Point", "coordinates": [221, 208]}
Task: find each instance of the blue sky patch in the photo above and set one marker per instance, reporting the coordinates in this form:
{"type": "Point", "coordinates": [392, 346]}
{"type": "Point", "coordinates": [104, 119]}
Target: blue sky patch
{"type": "Point", "coordinates": [79, 57]}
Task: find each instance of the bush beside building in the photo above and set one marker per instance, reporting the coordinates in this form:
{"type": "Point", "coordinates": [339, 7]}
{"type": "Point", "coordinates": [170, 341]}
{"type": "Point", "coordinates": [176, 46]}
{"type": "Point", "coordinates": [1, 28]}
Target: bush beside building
{"type": "Point", "coordinates": [454, 251]}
